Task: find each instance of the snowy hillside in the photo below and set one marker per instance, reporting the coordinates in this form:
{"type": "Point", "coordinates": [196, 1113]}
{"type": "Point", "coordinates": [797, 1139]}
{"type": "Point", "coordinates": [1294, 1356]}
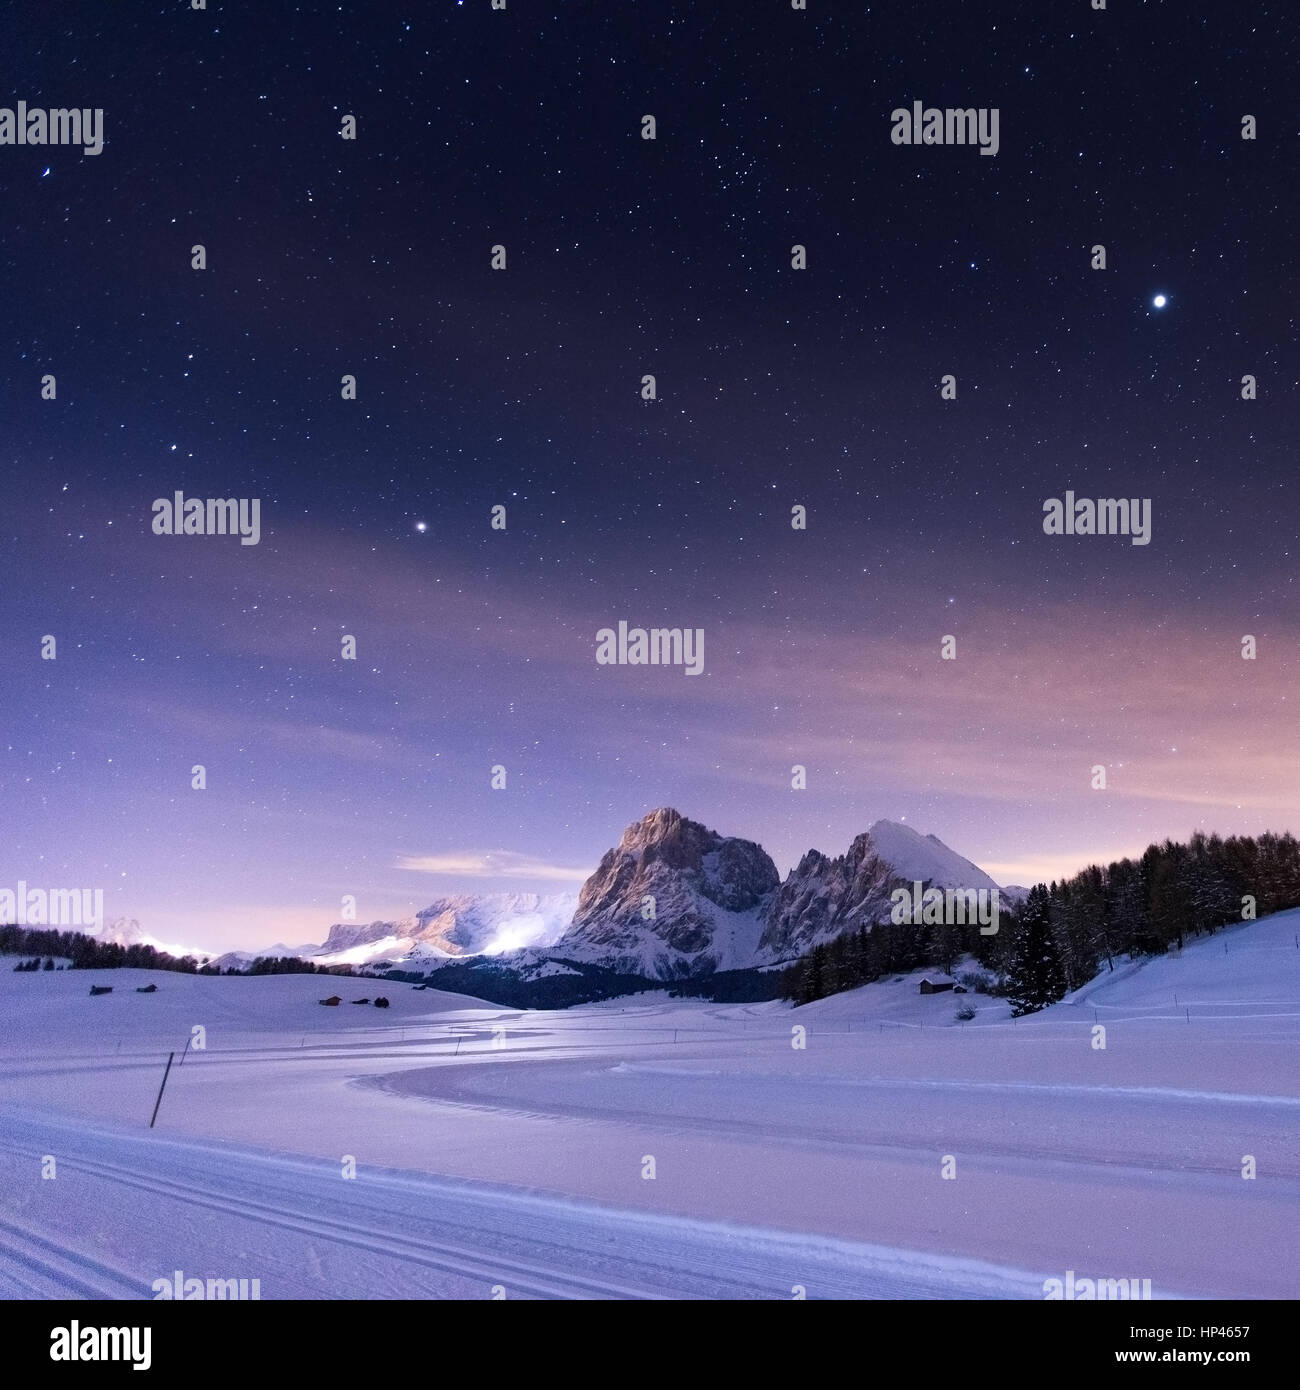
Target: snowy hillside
{"type": "Point", "coordinates": [56, 1010]}
{"type": "Point", "coordinates": [1243, 973]}
{"type": "Point", "coordinates": [498, 1147]}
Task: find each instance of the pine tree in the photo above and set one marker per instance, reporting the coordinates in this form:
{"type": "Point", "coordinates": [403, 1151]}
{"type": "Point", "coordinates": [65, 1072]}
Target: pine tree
{"type": "Point", "coordinates": [948, 946]}
{"type": "Point", "coordinates": [1034, 975]}
{"type": "Point", "coordinates": [815, 974]}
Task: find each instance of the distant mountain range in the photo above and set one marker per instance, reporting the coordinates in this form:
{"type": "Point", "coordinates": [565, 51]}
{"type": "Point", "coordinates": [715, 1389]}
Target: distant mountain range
{"type": "Point", "coordinates": [671, 899]}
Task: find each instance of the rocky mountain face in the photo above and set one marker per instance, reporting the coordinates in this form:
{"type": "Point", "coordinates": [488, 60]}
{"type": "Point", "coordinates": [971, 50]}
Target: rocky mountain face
{"type": "Point", "coordinates": [346, 936]}
{"type": "Point", "coordinates": [823, 897]}
{"type": "Point", "coordinates": [672, 898]}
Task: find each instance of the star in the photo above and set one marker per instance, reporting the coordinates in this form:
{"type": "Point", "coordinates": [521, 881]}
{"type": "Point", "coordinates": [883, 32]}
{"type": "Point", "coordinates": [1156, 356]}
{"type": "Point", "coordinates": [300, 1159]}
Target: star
{"type": "Point", "coordinates": [1160, 301]}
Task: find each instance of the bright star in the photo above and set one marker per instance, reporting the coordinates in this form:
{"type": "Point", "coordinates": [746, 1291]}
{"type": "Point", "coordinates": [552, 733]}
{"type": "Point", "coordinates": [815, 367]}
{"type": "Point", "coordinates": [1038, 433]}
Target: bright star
{"type": "Point", "coordinates": [1160, 301]}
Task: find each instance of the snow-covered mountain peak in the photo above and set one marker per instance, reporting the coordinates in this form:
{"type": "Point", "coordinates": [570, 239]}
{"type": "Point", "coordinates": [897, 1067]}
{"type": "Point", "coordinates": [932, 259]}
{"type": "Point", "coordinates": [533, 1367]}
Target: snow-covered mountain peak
{"type": "Point", "coordinates": [914, 856]}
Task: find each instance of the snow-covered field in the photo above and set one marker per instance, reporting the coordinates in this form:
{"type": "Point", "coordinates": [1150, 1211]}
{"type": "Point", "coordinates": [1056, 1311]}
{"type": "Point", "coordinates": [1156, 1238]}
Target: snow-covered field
{"type": "Point", "coordinates": [499, 1150]}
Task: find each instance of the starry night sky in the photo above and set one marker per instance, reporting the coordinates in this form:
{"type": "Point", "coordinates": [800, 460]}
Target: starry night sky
{"type": "Point", "coordinates": [523, 388]}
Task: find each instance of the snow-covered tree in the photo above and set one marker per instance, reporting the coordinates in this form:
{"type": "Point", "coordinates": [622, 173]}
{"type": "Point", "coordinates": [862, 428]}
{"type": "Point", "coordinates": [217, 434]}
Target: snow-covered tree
{"type": "Point", "coordinates": [1034, 975]}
